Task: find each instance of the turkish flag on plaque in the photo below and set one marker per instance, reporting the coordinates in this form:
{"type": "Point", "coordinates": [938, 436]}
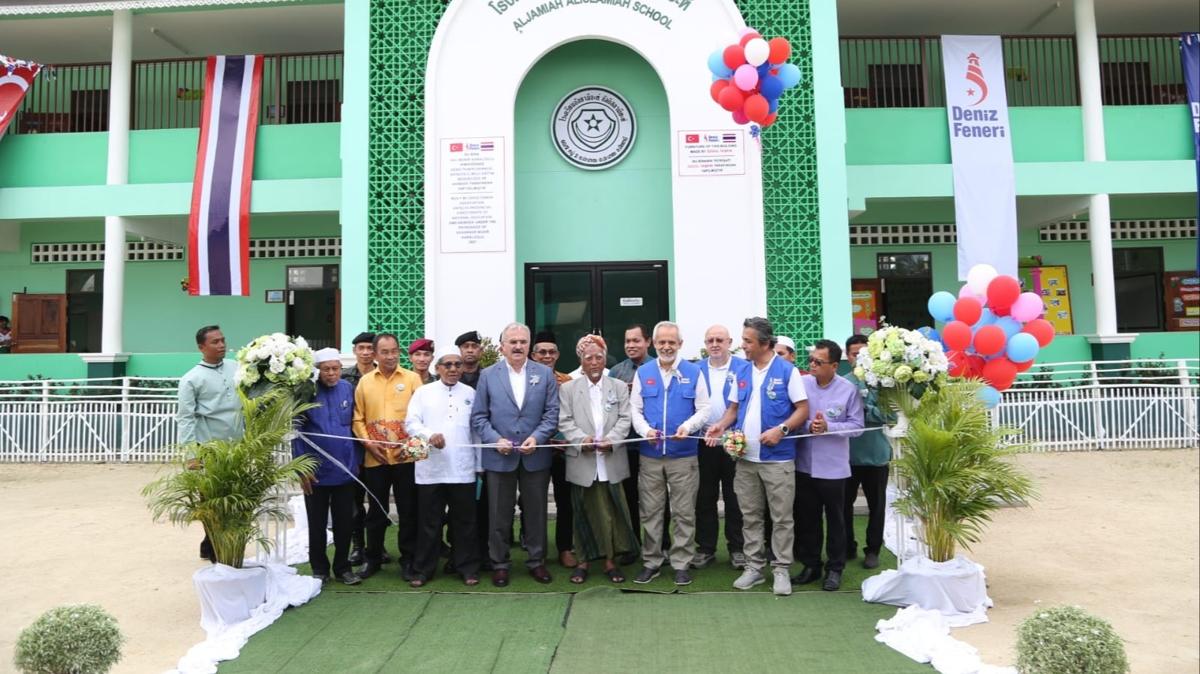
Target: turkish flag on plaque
{"type": "Point", "coordinates": [15, 79]}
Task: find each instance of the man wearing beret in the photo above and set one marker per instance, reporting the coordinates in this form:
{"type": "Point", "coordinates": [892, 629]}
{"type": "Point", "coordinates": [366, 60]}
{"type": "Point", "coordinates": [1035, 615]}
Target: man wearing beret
{"type": "Point", "coordinates": [470, 347]}
{"type": "Point", "coordinates": [420, 354]}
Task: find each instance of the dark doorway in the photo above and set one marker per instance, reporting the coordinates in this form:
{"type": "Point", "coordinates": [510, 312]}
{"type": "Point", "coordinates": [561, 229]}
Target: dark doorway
{"type": "Point", "coordinates": [575, 299]}
{"type": "Point", "coordinates": [1138, 280]}
{"type": "Point", "coordinates": [314, 304]}
{"type": "Point", "coordinates": [906, 282]}
{"type": "Point", "coordinates": [85, 305]}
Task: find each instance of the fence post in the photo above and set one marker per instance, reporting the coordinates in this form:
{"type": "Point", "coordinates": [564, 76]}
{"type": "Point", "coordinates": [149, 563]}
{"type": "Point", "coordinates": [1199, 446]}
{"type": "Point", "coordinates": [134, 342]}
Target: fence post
{"type": "Point", "coordinates": [44, 422]}
{"type": "Point", "coordinates": [1097, 408]}
{"type": "Point", "coordinates": [1192, 418]}
{"type": "Point", "coordinates": [125, 418]}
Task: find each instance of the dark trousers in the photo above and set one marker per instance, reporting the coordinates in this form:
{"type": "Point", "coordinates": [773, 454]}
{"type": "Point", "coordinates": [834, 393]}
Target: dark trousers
{"type": "Point", "coordinates": [398, 482]}
{"type": "Point", "coordinates": [630, 485]}
{"type": "Point", "coordinates": [502, 499]}
{"type": "Point", "coordinates": [817, 497]}
{"type": "Point", "coordinates": [326, 503]}
{"type": "Point", "coordinates": [873, 480]}
{"type": "Point", "coordinates": [716, 476]}
{"type": "Point", "coordinates": [360, 516]}
{"type": "Point", "coordinates": [564, 519]}
{"type": "Point", "coordinates": [433, 502]}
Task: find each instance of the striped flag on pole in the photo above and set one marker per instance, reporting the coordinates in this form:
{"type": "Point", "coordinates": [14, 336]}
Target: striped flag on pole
{"type": "Point", "coordinates": [219, 224]}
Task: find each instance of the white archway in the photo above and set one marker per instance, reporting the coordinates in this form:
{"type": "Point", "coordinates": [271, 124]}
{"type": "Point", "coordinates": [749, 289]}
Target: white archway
{"type": "Point", "coordinates": [481, 53]}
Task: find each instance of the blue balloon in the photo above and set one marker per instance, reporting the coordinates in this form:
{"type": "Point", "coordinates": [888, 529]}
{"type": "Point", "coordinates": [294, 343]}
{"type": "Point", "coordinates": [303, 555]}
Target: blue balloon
{"type": "Point", "coordinates": [770, 86]}
{"type": "Point", "coordinates": [716, 64]}
{"type": "Point", "coordinates": [790, 74]}
{"type": "Point", "coordinates": [764, 69]}
{"type": "Point", "coordinates": [941, 306]}
{"type": "Point", "coordinates": [930, 334]}
{"type": "Point", "coordinates": [985, 318]}
{"type": "Point", "coordinates": [989, 396]}
{"type": "Point", "coordinates": [1009, 325]}
{"type": "Point", "coordinates": [772, 105]}
{"type": "Point", "coordinates": [1022, 347]}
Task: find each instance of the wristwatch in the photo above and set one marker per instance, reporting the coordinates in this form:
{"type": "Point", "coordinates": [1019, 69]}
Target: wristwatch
{"type": "Point", "coordinates": [784, 428]}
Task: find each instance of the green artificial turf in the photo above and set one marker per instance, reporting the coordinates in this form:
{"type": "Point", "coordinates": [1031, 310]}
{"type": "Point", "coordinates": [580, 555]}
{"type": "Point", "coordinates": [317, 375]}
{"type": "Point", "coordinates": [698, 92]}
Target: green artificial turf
{"type": "Point", "coordinates": [716, 578]}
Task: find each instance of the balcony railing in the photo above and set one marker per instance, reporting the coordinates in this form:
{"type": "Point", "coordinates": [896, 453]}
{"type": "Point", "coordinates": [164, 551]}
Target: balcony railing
{"type": "Point", "coordinates": [906, 72]}
{"type": "Point", "coordinates": [168, 94]}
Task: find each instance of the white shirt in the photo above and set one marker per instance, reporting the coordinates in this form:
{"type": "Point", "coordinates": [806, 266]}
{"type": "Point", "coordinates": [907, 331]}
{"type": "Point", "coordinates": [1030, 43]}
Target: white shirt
{"type": "Point", "coordinates": [596, 396]}
{"type": "Point", "coordinates": [516, 379]}
{"type": "Point", "coordinates": [716, 379]}
{"type": "Point", "coordinates": [752, 426]}
{"type": "Point", "coordinates": [437, 408]}
{"type": "Point", "coordinates": [694, 422]}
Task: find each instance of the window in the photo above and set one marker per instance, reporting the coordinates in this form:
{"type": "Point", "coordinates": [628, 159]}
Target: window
{"type": "Point", "coordinates": [1138, 277]}
{"type": "Point", "coordinates": [906, 281]}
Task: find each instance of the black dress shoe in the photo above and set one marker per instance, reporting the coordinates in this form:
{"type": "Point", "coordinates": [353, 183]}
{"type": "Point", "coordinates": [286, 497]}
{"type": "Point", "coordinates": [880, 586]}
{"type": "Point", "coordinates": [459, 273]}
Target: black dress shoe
{"type": "Point", "coordinates": [871, 560]}
{"type": "Point", "coordinates": [323, 577]}
{"type": "Point", "coordinates": [540, 574]}
{"type": "Point", "coordinates": [807, 575]}
{"type": "Point", "coordinates": [356, 556]}
{"type": "Point", "coordinates": [349, 578]}
{"type": "Point", "coordinates": [833, 581]}
{"type": "Point", "coordinates": [367, 570]}
{"type": "Point", "coordinates": [500, 577]}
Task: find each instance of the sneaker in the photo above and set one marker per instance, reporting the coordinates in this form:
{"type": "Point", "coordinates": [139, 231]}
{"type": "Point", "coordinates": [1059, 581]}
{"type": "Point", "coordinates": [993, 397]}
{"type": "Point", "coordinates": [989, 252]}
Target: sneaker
{"type": "Point", "coordinates": [703, 560]}
{"type": "Point", "coordinates": [871, 561]}
{"type": "Point", "coordinates": [738, 560]}
{"type": "Point", "coordinates": [783, 584]}
{"type": "Point", "coordinates": [646, 575]}
{"type": "Point", "coordinates": [349, 578]}
{"type": "Point", "coordinates": [682, 577]}
{"type": "Point", "coordinates": [749, 579]}
{"type": "Point", "coordinates": [323, 577]}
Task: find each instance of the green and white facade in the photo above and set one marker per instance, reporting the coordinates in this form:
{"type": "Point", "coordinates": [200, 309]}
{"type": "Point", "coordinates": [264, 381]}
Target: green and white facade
{"type": "Point", "coordinates": [833, 188]}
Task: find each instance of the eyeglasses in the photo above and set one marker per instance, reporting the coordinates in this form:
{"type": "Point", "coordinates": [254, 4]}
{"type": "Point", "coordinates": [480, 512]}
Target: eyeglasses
{"type": "Point", "coordinates": [818, 361]}
{"type": "Point", "coordinates": [451, 366]}
{"type": "Point", "coordinates": [546, 352]}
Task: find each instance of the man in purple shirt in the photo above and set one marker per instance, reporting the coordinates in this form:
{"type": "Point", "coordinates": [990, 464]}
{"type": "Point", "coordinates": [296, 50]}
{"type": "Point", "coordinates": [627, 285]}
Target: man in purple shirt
{"type": "Point", "coordinates": [823, 464]}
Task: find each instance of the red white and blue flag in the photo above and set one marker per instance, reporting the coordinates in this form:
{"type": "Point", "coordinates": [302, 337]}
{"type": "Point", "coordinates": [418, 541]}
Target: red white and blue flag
{"type": "Point", "coordinates": [219, 224]}
{"type": "Point", "coordinates": [16, 76]}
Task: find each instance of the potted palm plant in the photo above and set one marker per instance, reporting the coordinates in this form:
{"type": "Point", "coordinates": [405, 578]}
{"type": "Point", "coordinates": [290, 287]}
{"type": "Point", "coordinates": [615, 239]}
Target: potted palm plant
{"type": "Point", "coordinates": [230, 487]}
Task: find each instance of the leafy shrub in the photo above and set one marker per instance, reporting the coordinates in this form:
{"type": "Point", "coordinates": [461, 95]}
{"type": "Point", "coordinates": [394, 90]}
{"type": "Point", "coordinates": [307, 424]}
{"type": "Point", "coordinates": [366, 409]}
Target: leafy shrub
{"type": "Point", "coordinates": [1069, 640]}
{"type": "Point", "coordinates": [71, 639]}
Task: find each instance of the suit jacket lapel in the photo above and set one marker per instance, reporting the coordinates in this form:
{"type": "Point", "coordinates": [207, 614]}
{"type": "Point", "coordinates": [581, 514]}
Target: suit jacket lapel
{"type": "Point", "coordinates": [610, 393]}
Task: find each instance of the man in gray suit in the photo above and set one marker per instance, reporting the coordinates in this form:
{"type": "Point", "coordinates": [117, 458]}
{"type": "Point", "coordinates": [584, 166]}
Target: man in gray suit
{"type": "Point", "coordinates": [516, 409]}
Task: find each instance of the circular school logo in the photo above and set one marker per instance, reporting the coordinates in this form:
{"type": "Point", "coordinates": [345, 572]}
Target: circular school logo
{"type": "Point", "coordinates": [593, 128]}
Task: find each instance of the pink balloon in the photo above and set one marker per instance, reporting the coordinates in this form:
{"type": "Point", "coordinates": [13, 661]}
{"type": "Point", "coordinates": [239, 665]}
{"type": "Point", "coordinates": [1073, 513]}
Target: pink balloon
{"type": "Point", "coordinates": [966, 291]}
{"type": "Point", "coordinates": [746, 77]}
{"type": "Point", "coordinates": [740, 117]}
{"type": "Point", "coordinates": [1027, 307]}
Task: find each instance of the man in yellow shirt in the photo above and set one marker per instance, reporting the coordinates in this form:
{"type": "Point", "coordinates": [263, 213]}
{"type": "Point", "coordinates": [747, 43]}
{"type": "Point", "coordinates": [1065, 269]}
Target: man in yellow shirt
{"type": "Point", "coordinates": [380, 407]}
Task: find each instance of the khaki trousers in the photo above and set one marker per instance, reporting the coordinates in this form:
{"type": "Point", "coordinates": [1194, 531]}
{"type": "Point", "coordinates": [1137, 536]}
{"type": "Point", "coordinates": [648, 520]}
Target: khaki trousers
{"type": "Point", "coordinates": [679, 480]}
{"type": "Point", "coordinates": [763, 488]}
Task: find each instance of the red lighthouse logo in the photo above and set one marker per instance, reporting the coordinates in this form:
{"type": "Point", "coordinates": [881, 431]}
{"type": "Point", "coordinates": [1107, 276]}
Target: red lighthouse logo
{"type": "Point", "coordinates": [975, 76]}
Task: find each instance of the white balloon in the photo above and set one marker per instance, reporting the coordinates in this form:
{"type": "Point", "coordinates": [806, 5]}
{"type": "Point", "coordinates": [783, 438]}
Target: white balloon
{"type": "Point", "coordinates": [980, 276]}
{"type": "Point", "coordinates": [757, 51]}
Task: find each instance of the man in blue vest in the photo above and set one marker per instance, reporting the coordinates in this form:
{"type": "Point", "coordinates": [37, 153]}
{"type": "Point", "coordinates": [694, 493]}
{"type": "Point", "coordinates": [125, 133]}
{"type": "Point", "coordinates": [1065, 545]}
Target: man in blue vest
{"type": "Point", "coordinates": [721, 371]}
{"type": "Point", "coordinates": [670, 404]}
{"type": "Point", "coordinates": [769, 407]}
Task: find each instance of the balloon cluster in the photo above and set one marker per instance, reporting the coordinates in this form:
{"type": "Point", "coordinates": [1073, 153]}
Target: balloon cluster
{"type": "Point", "coordinates": [992, 330]}
{"type": "Point", "coordinates": [750, 76]}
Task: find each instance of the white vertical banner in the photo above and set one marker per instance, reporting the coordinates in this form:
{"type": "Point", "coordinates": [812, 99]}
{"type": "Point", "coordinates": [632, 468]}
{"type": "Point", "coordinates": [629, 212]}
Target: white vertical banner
{"type": "Point", "coordinates": [985, 193]}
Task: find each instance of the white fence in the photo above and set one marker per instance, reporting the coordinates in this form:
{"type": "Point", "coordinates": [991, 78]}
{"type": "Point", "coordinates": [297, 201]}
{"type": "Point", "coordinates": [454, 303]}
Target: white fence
{"type": "Point", "coordinates": [1057, 406]}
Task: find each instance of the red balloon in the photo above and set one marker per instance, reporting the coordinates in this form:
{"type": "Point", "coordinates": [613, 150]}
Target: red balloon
{"type": "Point", "coordinates": [734, 56]}
{"type": "Point", "coordinates": [717, 87]}
{"type": "Point", "coordinates": [731, 99]}
{"type": "Point", "coordinates": [748, 37]}
{"type": "Point", "coordinates": [958, 363]}
{"type": "Point", "coordinates": [1002, 292]}
{"type": "Point", "coordinates": [1000, 373]}
{"type": "Point", "coordinates": [956, 335]}
{"type": "Point", "coordinates": [756, 108]}
{"type": "Point", "coordinates": [769, 120]}
{"type": "Point", "coordinates": [989, 340]}
{"type": "Point", "coordinates": [1021, 367]}
{"type": "Point", "coordinates": [974, 366]}
{"type": "Point", "coordinates": [780, 50]}
{"type": "Point", "coordinates": [1041, 329]}
{"type": "Point", "coordinates": [968, 310]}
{"type": "Point", "coordinates": [1000, 311]}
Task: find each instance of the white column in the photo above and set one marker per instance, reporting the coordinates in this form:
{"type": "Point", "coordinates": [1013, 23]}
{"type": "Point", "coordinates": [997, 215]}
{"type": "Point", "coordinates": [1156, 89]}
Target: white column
{"type": "Point", "coordinates": [1099, 220]}
{"type": "Point", "coordinates": [118, 174]}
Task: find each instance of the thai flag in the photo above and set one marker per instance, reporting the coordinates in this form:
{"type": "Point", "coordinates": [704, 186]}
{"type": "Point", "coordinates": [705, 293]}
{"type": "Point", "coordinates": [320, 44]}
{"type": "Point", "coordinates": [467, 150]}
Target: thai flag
{"type": "Point", "coordinates": [487, 146]}
{"type": "Point", "coordinates": [219, 224]}
{"type": "Point", "coordinates": [729, 138]}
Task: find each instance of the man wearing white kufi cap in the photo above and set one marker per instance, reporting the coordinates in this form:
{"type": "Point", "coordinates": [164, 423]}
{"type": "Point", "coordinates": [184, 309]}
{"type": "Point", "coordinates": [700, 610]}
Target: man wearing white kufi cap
{"type": "Point", "coordinates": [330, 493]}
{"type": "Point", "coordinates": [440, 414]}
{"type": "Point", "coordinates": [785, 348]}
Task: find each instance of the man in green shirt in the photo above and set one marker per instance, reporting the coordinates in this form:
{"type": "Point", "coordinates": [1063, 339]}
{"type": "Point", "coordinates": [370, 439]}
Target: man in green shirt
{"type": "Point", "coordinates": [209, 407]}
{"type": "Point", "coordinates": [869, 457]}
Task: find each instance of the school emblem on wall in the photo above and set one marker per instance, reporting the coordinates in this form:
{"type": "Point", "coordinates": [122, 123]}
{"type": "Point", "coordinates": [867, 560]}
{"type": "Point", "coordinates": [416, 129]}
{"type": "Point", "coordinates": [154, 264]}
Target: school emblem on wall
{"type": "Point", "coordinates": [593, 128]}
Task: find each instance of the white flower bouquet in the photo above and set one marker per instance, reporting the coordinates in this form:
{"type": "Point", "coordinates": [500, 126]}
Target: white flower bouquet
{"type": "Point", "coordinates": [900, 365]}
{"type": "Point", "coordinates": [276, 360]}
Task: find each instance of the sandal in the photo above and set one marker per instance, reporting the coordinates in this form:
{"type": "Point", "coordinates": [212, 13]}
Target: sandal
{"type": "Point", "coordinates": [417, 582]}
{"type": "Point", "coordinates": [579, 575]}
{"type": "Point", "coordinates": [614, 574]}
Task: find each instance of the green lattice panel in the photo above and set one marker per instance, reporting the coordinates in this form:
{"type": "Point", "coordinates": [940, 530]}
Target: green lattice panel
{"type": "Point", "coordinates": [791, 223]}
{"type": "Point", "coordinates": [401, 32]}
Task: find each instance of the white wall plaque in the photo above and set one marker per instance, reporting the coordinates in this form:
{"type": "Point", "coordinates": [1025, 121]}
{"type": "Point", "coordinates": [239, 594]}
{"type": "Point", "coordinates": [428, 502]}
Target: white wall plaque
{"type": "Point", "coordinates": [712, 153]}
{"type": "Point", "coordinates": [472, 195]}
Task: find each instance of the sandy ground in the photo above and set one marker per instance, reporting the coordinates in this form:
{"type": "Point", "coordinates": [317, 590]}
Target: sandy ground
{"type": "Point", "coordinates": [1116, 533]}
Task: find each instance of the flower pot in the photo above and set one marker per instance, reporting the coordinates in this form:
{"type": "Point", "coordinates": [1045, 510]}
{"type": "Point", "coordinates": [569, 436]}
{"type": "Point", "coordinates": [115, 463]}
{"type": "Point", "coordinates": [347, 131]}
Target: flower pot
{"type": "Point", "coordinates": [956, 588]}
{"type": "Point", "coordinates": [228, 595]}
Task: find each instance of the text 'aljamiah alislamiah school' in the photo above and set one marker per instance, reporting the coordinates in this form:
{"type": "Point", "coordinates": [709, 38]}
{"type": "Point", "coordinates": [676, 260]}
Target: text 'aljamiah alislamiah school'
{"type": "Point", "coordinates": [432, 168]}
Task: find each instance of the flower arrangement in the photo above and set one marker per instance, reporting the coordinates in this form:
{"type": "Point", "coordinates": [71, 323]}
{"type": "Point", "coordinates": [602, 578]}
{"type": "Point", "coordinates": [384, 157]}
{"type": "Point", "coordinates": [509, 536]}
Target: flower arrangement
{"type": "Point", "coordinates": [1069, 639]}
{"type": "Point", "coordinates": [413, 449]}
{"type": "Point", "coordinates": [276, 360]}
{"type": "Point", "coordinates": [901, 364]}
{"type": "Point", "coordinates": [71, 638]}
{"type": "Point", "coordinates": [734, 443]}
